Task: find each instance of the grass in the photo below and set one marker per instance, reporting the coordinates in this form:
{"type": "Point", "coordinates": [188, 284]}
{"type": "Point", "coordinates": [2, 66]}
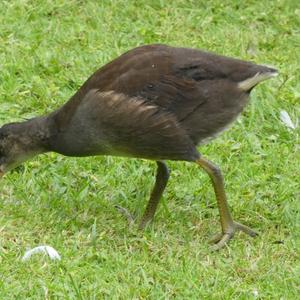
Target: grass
{"type": "Point", "coordinates": [47, 49]}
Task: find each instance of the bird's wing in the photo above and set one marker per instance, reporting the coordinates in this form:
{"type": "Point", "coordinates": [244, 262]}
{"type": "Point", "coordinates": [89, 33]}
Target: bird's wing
{"type": "Point", "coordinates": [155, 73]}
{"type": "Point", "coordinates": [180, 96]}
{"type": "Point", "coordinates": [136, 128]}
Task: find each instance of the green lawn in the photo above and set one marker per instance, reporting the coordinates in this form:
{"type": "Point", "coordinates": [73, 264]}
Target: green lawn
{"type": "Point", "coordinates": [47, 49]}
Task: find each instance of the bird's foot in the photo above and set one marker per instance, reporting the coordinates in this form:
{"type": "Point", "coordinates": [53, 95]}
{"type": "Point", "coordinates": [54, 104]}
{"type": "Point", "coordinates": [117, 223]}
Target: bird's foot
{"type": "Point", "coordinates": [132, 220]}
{"type": "Point", "coordinates": [129, 216]}
{"type": "Point", "coordinates": [221, 239]}
{"type": "Point", "coordinates": [143, 223]}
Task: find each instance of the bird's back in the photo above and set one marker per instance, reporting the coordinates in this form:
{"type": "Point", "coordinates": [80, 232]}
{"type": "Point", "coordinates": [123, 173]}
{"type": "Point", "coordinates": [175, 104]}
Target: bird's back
{"type": "Point", "coordinates": [198, 89]}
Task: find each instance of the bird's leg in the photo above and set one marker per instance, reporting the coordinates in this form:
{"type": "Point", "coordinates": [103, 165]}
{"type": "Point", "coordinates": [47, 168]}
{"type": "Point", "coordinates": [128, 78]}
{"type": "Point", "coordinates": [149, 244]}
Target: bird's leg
{"type": "Point", "coordinates": [229, 227]}
{"type": "Point", "coordinates": [162, 176]}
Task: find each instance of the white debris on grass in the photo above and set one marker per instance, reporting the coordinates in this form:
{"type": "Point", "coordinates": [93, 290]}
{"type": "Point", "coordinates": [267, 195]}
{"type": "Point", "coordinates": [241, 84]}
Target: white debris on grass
{"type": "Point", "coordinates": [286, 120]}
{"type": "Point", "coordinates": [53, 254]}
{"type": "Point", "coordinates": [255, 293]}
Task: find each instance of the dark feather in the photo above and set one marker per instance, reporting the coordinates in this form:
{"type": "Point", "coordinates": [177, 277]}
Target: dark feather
{"type": "Point", "coordinates": [197, 93]}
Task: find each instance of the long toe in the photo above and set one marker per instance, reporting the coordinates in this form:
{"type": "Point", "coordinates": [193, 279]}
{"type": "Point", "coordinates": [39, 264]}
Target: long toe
{"type": "Point", "coordinates": [130, 218]}
{"type": "Point", "coordinates": [216, 238]}
{"type": "Point", "coordinates": [222, 242]}
{"type": "Point", "coordinates": [246, 229]}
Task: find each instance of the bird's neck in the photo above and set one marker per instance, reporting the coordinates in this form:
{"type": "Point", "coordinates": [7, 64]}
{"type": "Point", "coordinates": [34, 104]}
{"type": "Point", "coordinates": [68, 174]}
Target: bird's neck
{"type": "Point", "coordinates": [37, 134]}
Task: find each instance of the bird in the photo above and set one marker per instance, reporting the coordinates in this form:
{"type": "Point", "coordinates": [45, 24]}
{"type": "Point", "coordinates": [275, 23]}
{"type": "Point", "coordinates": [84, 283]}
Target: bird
{"type": "Point", "coordinates": [154, 102]}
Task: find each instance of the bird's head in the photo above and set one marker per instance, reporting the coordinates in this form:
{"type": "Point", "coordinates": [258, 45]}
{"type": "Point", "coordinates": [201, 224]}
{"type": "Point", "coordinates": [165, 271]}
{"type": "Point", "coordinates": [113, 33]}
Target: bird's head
{"type": "Point", "coordinates": [17, 144]}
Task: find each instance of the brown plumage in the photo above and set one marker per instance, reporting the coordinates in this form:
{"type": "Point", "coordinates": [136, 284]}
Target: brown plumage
{"type": "Point", "coordinates": [155, 102]}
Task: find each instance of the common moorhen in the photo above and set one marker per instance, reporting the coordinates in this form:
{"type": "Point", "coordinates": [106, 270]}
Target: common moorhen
{"type": "Point", "coordinates": [155, 102]}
